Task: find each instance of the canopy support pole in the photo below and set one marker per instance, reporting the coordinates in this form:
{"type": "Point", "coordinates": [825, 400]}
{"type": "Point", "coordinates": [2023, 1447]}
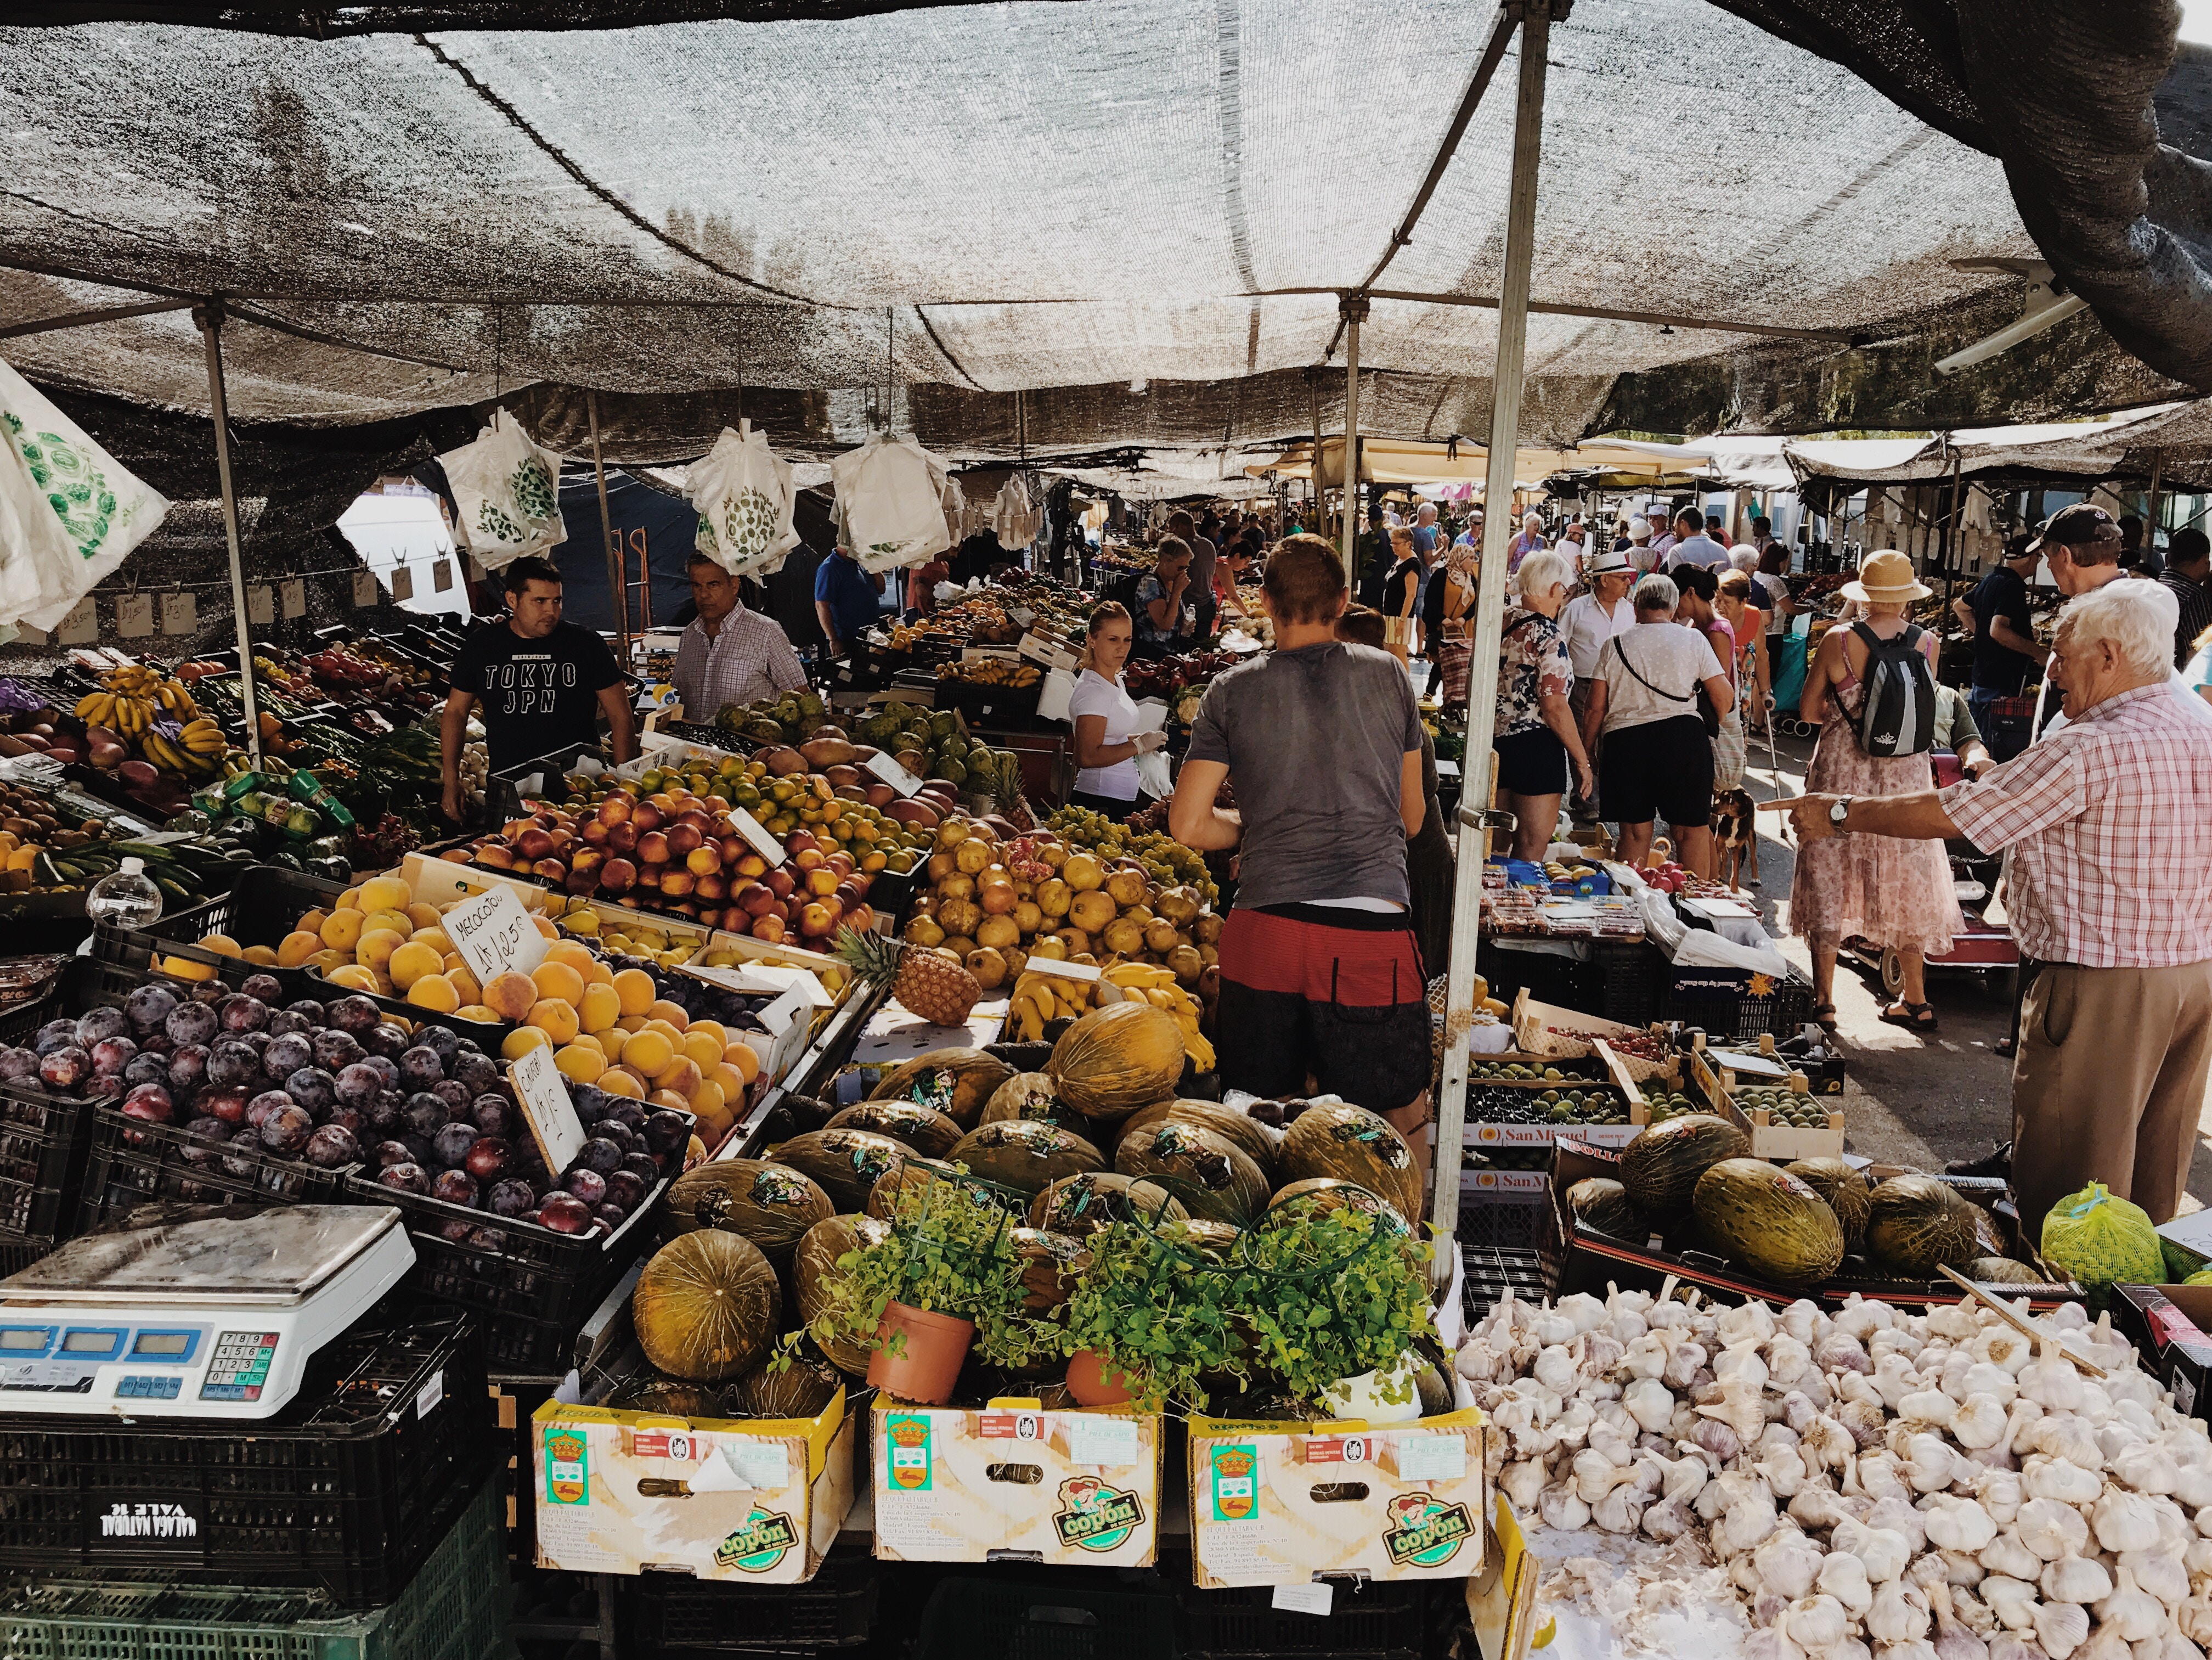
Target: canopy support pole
{"type": "Point", "coordinates": [618, 576]}
{"type": "Point", "coordinates": [1320, 525]}
{"type": "Point", "coordinates": [1354, 309]}
{"type": "Point", "coordinates": [2150, 506]}
{"type": "Point", "coordinates": [1479, 769]}
{"type": "Point", "coordinates": [209, 317]}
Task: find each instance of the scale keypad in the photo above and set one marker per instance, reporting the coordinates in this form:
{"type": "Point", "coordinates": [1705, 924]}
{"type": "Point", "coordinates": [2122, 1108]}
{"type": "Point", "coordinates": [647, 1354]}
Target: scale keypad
{"type": "Point", "coordinates": [239, 1366]}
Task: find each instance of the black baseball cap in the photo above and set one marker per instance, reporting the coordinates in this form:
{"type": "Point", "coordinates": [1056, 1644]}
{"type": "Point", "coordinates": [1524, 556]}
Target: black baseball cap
{"type": "Point", "coordinates": [2079, 525]}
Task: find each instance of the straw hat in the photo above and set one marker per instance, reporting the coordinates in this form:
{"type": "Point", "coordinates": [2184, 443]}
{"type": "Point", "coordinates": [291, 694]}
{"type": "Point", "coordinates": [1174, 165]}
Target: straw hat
{"type": "Point", "coordinates": [1609, 561]}
{"type": "Point", "coordinates": [1885, 579]}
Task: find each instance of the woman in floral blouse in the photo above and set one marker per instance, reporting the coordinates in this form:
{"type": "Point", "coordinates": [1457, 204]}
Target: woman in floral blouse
{"type": "Point", "coordinates": [1535, 733]}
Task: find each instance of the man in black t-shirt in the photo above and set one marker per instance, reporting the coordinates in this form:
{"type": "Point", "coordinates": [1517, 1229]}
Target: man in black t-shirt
{"type": "Point", "coordinates": [543, 683]}
{"type": "Point", "coordinates": [1996, 612]}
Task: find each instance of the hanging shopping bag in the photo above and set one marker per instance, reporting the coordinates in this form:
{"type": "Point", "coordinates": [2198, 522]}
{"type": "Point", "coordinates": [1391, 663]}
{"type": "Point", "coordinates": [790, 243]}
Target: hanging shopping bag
{"type": "Point", "coordinates": [744, 496]}
{"type": "Point", "coordinates": [69, 512]}
{"type": "Point", "coordinates": [1013, 521]}
{"type": "Point", "coordinates": [509, 493]}
{"type": "Point", "coordinates": [890, 502]}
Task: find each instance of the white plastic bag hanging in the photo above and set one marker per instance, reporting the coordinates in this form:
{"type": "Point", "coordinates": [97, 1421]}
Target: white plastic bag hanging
{"type": "Point", "coordinates": [744, 496]}
{"type": "Point", "coordinates": [890, 502]}
{"type": "Point", "coordinates": [69, 513]}
{"type": "Point", "coordinates": [508, 492]}
{"type": "Point", "coordinates": [1013, 521]}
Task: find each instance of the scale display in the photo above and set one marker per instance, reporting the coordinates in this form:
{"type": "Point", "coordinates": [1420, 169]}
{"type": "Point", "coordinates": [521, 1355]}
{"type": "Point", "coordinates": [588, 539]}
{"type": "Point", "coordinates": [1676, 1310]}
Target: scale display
{"type": "Point", "coordinates": [210, 1319]}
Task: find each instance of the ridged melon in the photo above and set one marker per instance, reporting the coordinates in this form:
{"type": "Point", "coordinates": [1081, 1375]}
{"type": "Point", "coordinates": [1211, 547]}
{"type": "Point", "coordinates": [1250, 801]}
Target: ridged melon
{"type": "Point", "coordinates": [1338, 1139]}
{"type": "Point", "coordinates": [1029, 1095]}
{"type": "Point", "coordinates": [1767, 1221]}
{"type": "Point", "coordinates": [1250, 1135]}
{"type": "Point", "coordinates": [707, 1307]}
{"type": "Point", "coordinates": [1202, 1234]}
{"type": "Point", "coordinates": [665, 1395]}
{"type": "Point", "coordinates": [800, 1390]}
{"type": "Point", "coordinates": [1324, 1194]}
{"type": "Point", "coordinates": [1601, 1203]}
{"type": "Point", "coordinates": [1845, 1190]}
{"type": "Point", "coordinates": [1049, 1262]}
{"type": "Point", "coordinates": [1915, 1222]}
{"type": "Point", "coordinates": [1117, 1058]}
{"type": "Point", "coordinates": [845, 1163]}
{"type": "Point", "coordinates": [2001, 1270]}
{"type": "Point", "coordinates": [814, 1273]}
{"type": "Point", "coordinates": [957, 1082]}
{"type": "Point", "coordinates": [1080, 1206]}
{"type": "Point", "coordinates": [771, 1204]}
{"type": "Point", "coordinates": [882, 1198]}
{"type": "Point", "coordinates": [1210, 1173]}
{"type": "Point", "coordinates": [927, 1131]}
{"type": "Point", "coordinates": [1025, 1155]}
{"type": "Point", "coordinates": [1661, 1167]}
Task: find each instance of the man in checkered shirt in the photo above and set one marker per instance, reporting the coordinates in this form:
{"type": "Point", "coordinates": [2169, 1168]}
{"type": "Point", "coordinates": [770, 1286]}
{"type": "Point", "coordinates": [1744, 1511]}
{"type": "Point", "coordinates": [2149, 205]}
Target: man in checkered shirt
{"type": "Point", "coordinates": [2110, 892]}
{"type": "Point", "coordinates": [730, 655]}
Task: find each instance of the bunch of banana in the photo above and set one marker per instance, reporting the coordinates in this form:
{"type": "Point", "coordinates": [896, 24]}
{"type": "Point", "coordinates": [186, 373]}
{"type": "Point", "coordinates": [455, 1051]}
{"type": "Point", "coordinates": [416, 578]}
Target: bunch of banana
{"type": "Point", "coordinates": [1149, 982]}
{"type": "Point", "coordinates": [119, 711]}
{"type": "Point", "coordinates": [1038, 998]}
{"type": "Point", "coordinates": [196, 752]}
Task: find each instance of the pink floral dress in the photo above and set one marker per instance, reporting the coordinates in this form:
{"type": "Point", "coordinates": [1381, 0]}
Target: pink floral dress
{"type": "Point", "coordinates": [1881, 888]}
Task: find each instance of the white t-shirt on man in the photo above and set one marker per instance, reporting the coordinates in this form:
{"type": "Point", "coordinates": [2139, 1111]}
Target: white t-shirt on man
{"type": "Point", "coordinates": [1587, 628]}
{"type": "Point", "coordinates": [1095, 693]}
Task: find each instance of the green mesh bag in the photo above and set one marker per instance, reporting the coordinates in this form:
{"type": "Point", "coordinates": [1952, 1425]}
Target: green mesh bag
{"type": "Point", "coordinates": [2102, 1241]}
{"type": "Point", "coordinates": [2181, 1262]}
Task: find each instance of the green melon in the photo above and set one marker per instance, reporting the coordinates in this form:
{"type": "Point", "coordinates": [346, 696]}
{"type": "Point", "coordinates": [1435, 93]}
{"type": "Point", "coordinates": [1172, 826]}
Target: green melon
{"type": "Point", "coordinates": [927, 1131]}
{"type": "Point", "coordinates": [771, 1204]}
{"type": "Point", "coordinates": [1601, 1203]}
{"type": "Point", "coordinates": [1845, 1190]}
{"type": "Point", "coordinates": [1029, 1095]}
{"type": "Point", "coordinates": [1767, 1221]}
{"type": "Point", "coordinates": [2004, 1271]}
{"type": "Point", "coordinates": [1205, 1169]}
{"type": "Point", "coordinates": [814, 1273]}
{"type": "Point", "coordinates": [664, 1394]}
{"type": "Point", "coordinates": [706, 1308]}
{"type": "Point", "coordinates": [1659, 1170]}
{"type": "Point", "coordinates": [1079, 1206]}
{"type": "Point", "coordinates": [1916, 1222]}
{"type": "Point", "coordinates": [1250, 1136]}
{"type": "Point", "coordinates": [801, 1390]}
{"type": "Point", "coordinates": [1024, 1155]}
{"type": "Point", "coordinates": [1323, 1194]}
{"type": "Point", "coordinates": [1356, 1146]}
{"type": "Point", "coordinates": [846, 1164]}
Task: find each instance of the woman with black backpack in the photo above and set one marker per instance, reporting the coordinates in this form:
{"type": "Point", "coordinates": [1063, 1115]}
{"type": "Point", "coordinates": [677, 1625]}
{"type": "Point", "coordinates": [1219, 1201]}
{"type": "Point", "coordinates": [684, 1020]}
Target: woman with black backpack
{"type": "Point", "coordinates": [1871, 687]}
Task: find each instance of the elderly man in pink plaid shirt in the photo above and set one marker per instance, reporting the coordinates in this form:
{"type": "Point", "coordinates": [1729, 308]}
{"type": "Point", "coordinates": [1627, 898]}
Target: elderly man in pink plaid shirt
{"type": "Point", "coordinates": [2110, 892]}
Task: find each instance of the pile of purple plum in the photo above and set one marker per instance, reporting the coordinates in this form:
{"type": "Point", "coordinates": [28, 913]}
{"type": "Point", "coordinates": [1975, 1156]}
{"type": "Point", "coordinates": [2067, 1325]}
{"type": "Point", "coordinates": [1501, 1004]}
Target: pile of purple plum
{"type": "Point", "coordinates": [339, 1084]}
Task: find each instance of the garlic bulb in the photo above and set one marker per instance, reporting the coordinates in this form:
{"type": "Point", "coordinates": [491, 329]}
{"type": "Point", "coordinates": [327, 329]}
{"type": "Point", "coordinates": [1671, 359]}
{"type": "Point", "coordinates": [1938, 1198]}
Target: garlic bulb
{"type": "Point", "coordinates": [2053, 1383]}
{"type": "Point", "coordinates": [1840, 1351]}
{"type": "Point", "coordinates": [1620, 1511]}
{"type": "Point", "coordinates": [1669, 1519]}
{"type": "Point", "coordinates": [1787, 1563]}
{"type": "Point", "coordinates": [1977, 1422]}
{"type": "Point", "coordinates": [1520, 1482]}
{"type": "Point", "coordinates": [1982, 1378]}
{"type": "Point", "coordinates": [1894, 1378]}
{"type": "Point", "coordinates": [2146, 1467]}
{"type": "Point", "coordinates": [2005, 1646]}
{"type": "Point", "coordinates": [2076, 1580]}
{"type": "Point", "coordinates": [2061, 1627]}
{"type": "Point", "coordinates": [2051, 1529]}
{"type": "Point", "coordinates": [1747, 1323]}
{"type": "Point", "coordinates": [1960, 1525]}
{"type": "Point", "coordinates": [1953, 1641]}
{"type": "Point", "coordinates": [1901, 1517]}
{"type": "Point", "coordinates": [2124, 1521]}
{"type": "Point", "coordinates": [1882, 1552]}
{"type": "Point", "coordinates": [1561, 1509]}
{"type": "Point", "coordinates": [2044, 1477]}
{"type": "Point", "coordinates": [1821, 1507]}
{"type": "Point", "coordinates": [1929, 1407]}
{"type": "Point", "coordinates": [2132, 1610]}
{"type": "Point", "coordinates": [1649, 1402]}
{"type": "Point", "coordinates": [1930, 1464]}
{"type": "Point", "coordinates": [1818, 1623]}
{"type": "Point", "coordinates": [2013, 1602]}
{"type": "Point", "coordinates": [1900, 1614]}
{"type": "Point", "coordinates": [1555, 1370]}
{"type": "Point", "coordinates": [2006, 1555]}
{"type": "Point", "coordinates": [2063, 1435]}
{"type": "Point", "coordinates": [2001, 1495]}
{"type": "Point", "coordinates": [2001, 1346]}
{"type": "Point", "coordinates": [1587, 1312]}
{"type": "Point", "coordinates": [1843, 1576]}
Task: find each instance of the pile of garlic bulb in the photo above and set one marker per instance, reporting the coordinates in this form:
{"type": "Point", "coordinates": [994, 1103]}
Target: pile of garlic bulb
{"type": "Point", "coordinates": [1875, 1483]}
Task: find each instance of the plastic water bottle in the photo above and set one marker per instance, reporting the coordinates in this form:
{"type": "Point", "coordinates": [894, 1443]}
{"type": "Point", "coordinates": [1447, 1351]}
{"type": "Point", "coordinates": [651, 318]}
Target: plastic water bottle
{"type": "Point", "coordinates": [129, 898]}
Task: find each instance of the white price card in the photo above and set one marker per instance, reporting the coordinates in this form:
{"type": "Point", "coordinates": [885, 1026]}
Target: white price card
{"type": "Point", "coordinates": [1041, 650]}
{"type": "Point", "coordinates": [1315, 1596]}
{"type": "Point", "coordinates": [295, 596]}
{"type": "Point", "coordinates": [1431, 1458]}
{"type": "Point", "coordinates": [1064, 971]}
{"type": "Point", "coordinates": [494, 933]}
{"type": "Point", "coordinates": [261, 605]}
{"type": "Point", "coordinates": [441, 575]}
{"type": "Point", "coordinates": [789, 1019]}
{"type": "Point", "coordinates": [544, 1095]}
{"type": "Point", "coordinates": [758, 836]}
{"type": "Point", "coordinates": [366, 589]}
{"type": "Point", "coordinates": [81, 627]}
{"type": "Point", "coordinates": [892, 774]}
{"type": "Point", "coordinates": [134, 616]}
{"type": "Point", "coordinates": [427, 1397]}
{"type": "Point", "coordinates": [1098, 1438]}
{"type": "Point", "coordinates": [180, 613]}
{"type": "Point", "coordinates": [1023, 616]}
{"type": "Point", "coordinates": [403, 583]}
{"type": "Point", "coordinates": [1004, 653]}
{"type": "Point", "coordinates": [1151, 714]}
{"type": "Point", "coordinates": [753, 979]}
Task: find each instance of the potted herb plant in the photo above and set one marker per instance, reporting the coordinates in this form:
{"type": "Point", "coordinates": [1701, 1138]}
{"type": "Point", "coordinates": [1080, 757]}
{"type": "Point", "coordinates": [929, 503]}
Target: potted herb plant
{"type": "Point", "coordinates": [1151, 1317]}
{"type": "Point", "coordinates": [946, 1277]}
{"type": "Point", "coordinates": [1335, 1302]}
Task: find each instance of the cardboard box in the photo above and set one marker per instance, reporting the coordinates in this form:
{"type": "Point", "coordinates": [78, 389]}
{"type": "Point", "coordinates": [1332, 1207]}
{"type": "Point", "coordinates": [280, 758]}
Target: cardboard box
{"type": "Point", "coordinates": [2168, 1325]}
{"type": "Point", "coordinates": [746, 1501]}
{"type": "Point", "coordinates": [1275, 1504]}
{"type": "Point", "coordinates": [1014, 1482]}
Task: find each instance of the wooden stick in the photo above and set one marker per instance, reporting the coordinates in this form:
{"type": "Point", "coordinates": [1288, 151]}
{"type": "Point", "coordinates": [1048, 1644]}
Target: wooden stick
{"type": "Point", "coordinates": [2024, 1327]}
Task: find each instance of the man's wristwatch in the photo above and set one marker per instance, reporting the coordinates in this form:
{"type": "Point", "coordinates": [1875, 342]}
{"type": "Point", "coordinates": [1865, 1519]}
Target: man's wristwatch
{"type": "Point", "coordinates": [1839, 810]}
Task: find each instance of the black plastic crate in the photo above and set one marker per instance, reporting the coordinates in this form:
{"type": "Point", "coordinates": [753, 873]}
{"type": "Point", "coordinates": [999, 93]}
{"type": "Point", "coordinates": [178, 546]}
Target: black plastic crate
{"type": "Point", "coordinates": [1492, 1270]}
{"type": "Point", "coordinates": [350, 1487]}
{"type": "Point", "coordinates": [1013, 1619]}
{"type": "Point", "coordinates": [18, 1251]}
{"type": "Point", "coordinates": [503, 800]}
{"type": "Point", "coordinates": [1366, 1617]}
{"type": "Point", "coordinates": [42, 1140]}
{"type": "Point", "coordinates": [1509, 1221]}
{"type": "Point", "coordinates": [534, 1288]}
{"type": "Point", "coordinates": [1622, 980]}
{"type": "Point", "coordinates": [260, 909]}
{"type": "Point", "coordinates": [1760, 1004]}
{"type": "Point", "coordinates": [677, 1615]}
{"type": "Point", "coordinates": [132, 1162]}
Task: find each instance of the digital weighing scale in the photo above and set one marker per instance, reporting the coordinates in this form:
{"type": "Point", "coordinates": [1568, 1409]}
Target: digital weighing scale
{"type": "Point", "coordinates": [210, 1319]}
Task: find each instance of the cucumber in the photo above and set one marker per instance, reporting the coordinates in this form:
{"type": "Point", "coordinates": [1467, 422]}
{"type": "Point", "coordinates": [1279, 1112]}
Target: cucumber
{"type": "Point", "coordinates": [174, 890]}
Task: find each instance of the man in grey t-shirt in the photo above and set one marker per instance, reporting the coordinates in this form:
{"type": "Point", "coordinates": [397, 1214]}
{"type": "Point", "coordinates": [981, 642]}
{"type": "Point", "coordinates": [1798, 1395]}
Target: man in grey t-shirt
{"type": "Point", "coordinates": [1203, 554]}
{"type": "Point", "coordinates": [1321, 982]}
{"type": "Point", "coordinates": [1693, 546]}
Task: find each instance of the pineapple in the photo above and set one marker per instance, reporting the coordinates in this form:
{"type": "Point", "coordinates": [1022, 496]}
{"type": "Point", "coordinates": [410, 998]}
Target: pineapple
{"type": "Point", "coordinates": [931, 983]}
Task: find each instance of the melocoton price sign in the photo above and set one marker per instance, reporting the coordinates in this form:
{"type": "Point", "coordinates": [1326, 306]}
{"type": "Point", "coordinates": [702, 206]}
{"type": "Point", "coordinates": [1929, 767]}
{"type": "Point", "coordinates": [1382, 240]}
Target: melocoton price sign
{"type": "Point", "coordinates": [495, 935]}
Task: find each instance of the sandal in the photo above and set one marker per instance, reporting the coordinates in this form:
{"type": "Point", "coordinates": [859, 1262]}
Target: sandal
{"type": "Point", "coordinates": [1824, 1016]}
{"type": "Point", "coordinates": [1913, 1017]}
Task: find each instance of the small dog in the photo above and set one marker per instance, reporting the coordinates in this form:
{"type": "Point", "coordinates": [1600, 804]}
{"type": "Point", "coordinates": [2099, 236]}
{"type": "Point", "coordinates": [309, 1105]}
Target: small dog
{"type": "Point", "coordinates": [1735, 832]}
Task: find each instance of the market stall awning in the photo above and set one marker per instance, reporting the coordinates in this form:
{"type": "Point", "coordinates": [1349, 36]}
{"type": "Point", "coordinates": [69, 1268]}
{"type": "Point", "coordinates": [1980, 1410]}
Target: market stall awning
{"type": "Point", "coordinates": [1397, 461]}
{"type": "Point", "coordinates": [2086, 448]}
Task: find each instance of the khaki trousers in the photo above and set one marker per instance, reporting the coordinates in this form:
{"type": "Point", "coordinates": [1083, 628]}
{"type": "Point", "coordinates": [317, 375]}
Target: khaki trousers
{"type": "Point", "coordinates": [2108, 1083]}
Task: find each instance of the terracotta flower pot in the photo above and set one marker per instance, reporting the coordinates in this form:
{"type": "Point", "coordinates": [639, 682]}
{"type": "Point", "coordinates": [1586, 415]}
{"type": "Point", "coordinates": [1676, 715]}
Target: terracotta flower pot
{"type": "Point", "coordinates": [1094, 1381]}
{"type": "Point", "coordinates": [928, 1364]}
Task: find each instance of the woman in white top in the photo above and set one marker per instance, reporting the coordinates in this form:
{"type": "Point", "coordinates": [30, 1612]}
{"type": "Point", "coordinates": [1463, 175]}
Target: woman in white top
{"type": "Point", "coordinates": [1105, 715]}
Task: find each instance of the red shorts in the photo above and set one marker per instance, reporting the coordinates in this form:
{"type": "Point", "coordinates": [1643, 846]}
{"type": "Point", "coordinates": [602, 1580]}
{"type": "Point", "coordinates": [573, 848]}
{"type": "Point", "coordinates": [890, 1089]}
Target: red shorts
{"type": "Point", "coordinates": [1312, 991]}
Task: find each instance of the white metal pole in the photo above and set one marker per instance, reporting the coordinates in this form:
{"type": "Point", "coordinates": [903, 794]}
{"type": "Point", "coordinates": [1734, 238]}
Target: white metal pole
{"type": "Point", "coordinates": [1497, 531]}
{"type": "Point", "coordinates": [1354, 309]}
{"type": "Point", "coordinates": [209, 317]}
